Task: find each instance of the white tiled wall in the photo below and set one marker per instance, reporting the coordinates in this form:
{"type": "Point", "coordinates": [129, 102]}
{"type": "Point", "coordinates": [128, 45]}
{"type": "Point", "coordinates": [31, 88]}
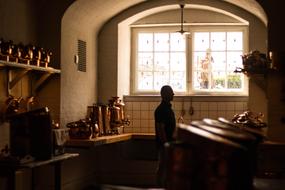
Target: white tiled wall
{"type": "Point", "coordinates": [141, 110]}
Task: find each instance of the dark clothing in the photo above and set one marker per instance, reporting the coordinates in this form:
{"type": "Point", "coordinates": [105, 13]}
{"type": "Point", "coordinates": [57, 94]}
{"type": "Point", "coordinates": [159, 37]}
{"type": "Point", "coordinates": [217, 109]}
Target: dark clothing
{"type": "Point", "coordinates": [164, 114]}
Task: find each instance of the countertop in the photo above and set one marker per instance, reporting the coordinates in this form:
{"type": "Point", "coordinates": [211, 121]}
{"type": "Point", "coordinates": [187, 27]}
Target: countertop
{"type": "Point", "coordinates": [259, 184]}
{"type": "Point", "coordinates": [107, 139]}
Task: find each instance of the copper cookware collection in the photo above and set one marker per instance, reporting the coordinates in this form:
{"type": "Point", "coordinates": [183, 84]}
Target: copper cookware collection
{"type": "Point", "coordinates": [25, 54]}
{"type": "Point", "coordinates": [106, 119]}
{"type": "Point", "coordinates": [14, 105]}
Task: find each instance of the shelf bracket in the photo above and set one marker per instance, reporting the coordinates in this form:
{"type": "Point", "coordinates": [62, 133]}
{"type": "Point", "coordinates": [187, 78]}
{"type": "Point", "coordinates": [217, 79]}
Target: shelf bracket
{"type": "Point", "coordinates": [15, 80]}
{"type": "Point", "coordinates": [39, 82]}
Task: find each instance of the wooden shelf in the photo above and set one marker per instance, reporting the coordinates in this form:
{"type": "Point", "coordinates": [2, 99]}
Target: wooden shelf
{"type": "Point", "coordinates": [25, 68]}
{"type": "Point", "coordinates": [29, 67]}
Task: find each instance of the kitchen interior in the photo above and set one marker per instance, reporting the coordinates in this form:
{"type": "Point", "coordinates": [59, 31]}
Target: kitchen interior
{"type": "Point", "coordinates": [83, 68]}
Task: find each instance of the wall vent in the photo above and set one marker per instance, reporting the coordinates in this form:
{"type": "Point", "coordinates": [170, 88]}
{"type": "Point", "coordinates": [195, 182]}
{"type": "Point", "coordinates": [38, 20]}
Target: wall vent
{"type": "Point", "coordinates": [81, 48]}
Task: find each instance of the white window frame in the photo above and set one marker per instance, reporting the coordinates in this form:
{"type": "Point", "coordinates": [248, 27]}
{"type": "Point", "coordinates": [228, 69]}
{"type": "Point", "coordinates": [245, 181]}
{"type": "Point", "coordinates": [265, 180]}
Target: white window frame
{"type": "Point", "coordinates": [189, 57]}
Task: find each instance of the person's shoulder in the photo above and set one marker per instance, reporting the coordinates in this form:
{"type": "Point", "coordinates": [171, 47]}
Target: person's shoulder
{"type": "Point", "coordinates": [157, 108]}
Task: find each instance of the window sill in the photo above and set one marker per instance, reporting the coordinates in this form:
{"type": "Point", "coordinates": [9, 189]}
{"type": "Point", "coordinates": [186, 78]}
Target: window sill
{"type": "Point", "coordinates": [182, 98]}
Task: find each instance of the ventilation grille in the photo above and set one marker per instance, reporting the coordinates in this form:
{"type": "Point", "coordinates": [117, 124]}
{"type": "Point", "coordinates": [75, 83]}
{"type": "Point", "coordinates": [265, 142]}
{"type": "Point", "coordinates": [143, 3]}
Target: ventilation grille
{"type": "Point", "coordinates": [81, 45]}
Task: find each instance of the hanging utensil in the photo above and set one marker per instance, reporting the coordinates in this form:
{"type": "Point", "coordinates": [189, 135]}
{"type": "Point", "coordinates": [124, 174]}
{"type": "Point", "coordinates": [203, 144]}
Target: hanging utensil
{"type": "Point", "coordinates": [191, 109]}
{"type": "Point", "coordinates": [182, 113]}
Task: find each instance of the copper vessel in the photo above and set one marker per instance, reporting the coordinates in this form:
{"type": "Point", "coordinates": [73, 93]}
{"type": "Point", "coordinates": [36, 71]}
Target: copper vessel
{"type": "Point", "coordinates": [106, 117]}
{"type": "Point", "coordinates": [95, 115]}
{"type": "Point", "coordinates": [80, 129]}
{"type": "Point", "coordinates": [117, 118]}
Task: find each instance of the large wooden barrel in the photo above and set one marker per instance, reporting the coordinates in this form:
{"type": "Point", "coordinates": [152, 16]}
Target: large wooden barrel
{"type": "Point", "coordinates": [202, 160]}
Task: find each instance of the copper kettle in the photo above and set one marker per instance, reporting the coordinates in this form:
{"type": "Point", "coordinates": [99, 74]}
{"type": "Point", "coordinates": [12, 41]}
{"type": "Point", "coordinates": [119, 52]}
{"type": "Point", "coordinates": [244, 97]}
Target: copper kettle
{"type": "Point", "coordinates": [115, 114]}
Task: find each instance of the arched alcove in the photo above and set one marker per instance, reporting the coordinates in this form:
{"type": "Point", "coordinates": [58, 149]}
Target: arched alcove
{"type": "Point", "coordinates": [97, 22]}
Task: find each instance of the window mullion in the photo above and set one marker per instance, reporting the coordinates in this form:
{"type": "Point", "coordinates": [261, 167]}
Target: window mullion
{"type": "Point", "coordinates": [169, 67]}
{"type": "Point", "coordinates": [153, 64]}
{"type": "Point", "coordinates": [210, 64]}
{"type": "Point", "coordinates": [226, 57]}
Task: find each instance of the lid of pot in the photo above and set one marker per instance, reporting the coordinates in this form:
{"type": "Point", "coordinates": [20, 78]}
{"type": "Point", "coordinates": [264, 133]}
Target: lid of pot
{"type": "Point", "coordinates": [234, 134]}
{"type": "Point", "coordinates": [183, 130]}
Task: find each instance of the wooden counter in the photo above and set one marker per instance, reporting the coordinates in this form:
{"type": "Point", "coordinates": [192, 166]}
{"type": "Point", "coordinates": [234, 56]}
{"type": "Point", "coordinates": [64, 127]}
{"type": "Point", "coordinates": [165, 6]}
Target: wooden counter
{"type": "Point", "coordinates": [107, 139]}
{"type": "Point", "coordinates": [128, 136]}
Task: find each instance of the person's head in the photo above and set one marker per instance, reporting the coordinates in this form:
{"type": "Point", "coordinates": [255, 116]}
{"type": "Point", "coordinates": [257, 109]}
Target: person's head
{"type": "Point", "coordinates": [166, 93]}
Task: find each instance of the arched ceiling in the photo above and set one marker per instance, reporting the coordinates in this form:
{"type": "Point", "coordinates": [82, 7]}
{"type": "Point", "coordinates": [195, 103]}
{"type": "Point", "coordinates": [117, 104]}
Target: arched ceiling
{"type": "Point", "coordinates": [251, 6]}
{"type": "Point", "coordinates": [94, 13]}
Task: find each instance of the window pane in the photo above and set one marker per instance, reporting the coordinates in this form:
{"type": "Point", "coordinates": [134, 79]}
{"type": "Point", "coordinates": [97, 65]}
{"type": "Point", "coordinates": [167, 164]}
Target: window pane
{"type": "Point", "coordinates": [145, 61]}
{"type": "Point", "coordinates": [161, 61]}
{"type": "Point", "coordinates": [234, 41]}
{"type": "Point", "coordinates": [234, 60]}
{"type": "Point", "coordinates": [178, 81]}
{"type": "Point", "coordinates": [145, 81]}
{"type": "Point", "coordinates": [213, 67]}
{"type": "Point", "coordinates": [201, 80]}
{"type": "Point", "coordinates": [198, 59]}
{"type": "Point", "coordinates": [178, 61]}
{"type": "Point", "coordinates": [218, 41]}
{"type": "Point", "coordinates": [218, 61]}
{"type": "Point", "coordinates": [155, 64]}
{"type": "Point", "coordinates": [201, 41]}
{"type": "Point", "coordinates": [161, 41]}
{"type": "Point", "coordinates": [204, 60]}
{"type": "Point", "coordinates": [218, 80]}
{"type": "Point", "coordinates": [145, 41]}
{"type": "Point", "coordinates": [177, 42]}
{"type": "Point", "coordinates": [160, 79]}
{"type": "Point", "coordinates": [234, 81]}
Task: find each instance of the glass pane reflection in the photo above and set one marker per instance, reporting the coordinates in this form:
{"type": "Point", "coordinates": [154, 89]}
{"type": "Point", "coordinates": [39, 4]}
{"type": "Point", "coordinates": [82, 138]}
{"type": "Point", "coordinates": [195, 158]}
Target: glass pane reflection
{"type": "Point", "coordinates": [218, 41]}
{"type": "Point", "coordinates": [161, 41]}
{"type": "Point", "coordinates": [145, 42]}
{"type": "Point", "coordinates": [234, 60]}
{"type": "Point", "coordinates": [177, 42]}
{"type": "Point", "coordinates": [160, 79]}
{"type": "Point", "coordinates": [145, 81]}
{"type": "Point", "coordinates": [161, 61]}
{"type": "Point", "coordinates": [178, 61]}
{"type": "Point", "coordinates": [145, 61]}
{"type": "Point", "coordinates": [234, 41]}
{"type": "Point", "coordinates": [201, 41]}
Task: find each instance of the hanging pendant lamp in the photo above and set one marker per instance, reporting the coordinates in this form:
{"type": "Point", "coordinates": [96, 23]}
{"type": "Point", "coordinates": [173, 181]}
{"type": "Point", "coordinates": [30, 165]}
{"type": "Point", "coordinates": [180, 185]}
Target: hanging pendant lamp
{"type": "Point", "coordinates": [182, 31]}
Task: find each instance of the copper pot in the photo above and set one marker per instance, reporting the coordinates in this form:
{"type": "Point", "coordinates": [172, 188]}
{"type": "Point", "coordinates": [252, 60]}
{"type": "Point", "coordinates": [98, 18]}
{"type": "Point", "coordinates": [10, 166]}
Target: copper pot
{"type": "Point", "coordinates": [106, 119]}
{"type": "Point", "coordinates": [80, 130]}
{"type": "Point", "coordinates": [95, 114]}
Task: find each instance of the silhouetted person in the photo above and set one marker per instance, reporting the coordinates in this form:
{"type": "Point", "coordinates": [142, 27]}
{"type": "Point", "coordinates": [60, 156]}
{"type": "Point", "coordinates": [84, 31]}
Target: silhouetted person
{"type": "Point", "coordinates": [164, 129]}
